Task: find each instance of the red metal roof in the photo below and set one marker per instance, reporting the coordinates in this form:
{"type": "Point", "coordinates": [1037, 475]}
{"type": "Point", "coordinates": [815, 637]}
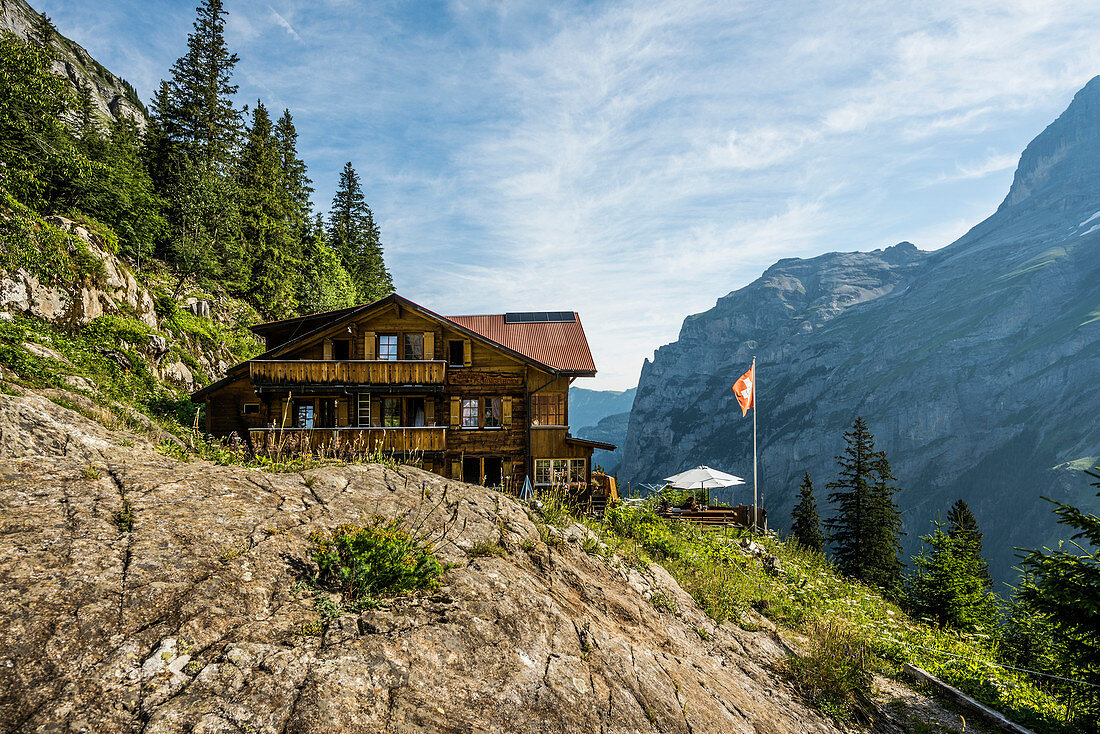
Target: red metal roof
{"type": "Point", "coordinates": [558, 345]}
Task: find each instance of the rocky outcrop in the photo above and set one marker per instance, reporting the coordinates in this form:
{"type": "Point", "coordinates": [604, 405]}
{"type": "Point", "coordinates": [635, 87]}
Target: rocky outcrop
{"type": "Point", "coordinates": [81, 302]}
{"type": "Point", "coordinates": [189, 615]}
{"type": "Point", "coordinates": [975, 366]}
{"type": "Point", "coordinates": [113, 97]}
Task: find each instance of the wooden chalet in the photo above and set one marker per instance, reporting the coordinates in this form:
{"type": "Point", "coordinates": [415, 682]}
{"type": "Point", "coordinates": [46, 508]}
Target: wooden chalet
{"type": "Point", "coordinates": [483, 399]}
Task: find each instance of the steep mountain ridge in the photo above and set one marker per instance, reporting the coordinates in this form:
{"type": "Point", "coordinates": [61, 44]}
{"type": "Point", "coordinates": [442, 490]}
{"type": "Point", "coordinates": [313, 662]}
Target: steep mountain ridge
{"type": "Point", "coordinates": [112, 96]}
{"type": "Point", "coordinates": [974, 365]}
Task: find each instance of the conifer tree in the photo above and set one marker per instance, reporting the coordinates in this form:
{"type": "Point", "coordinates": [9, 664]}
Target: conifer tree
{"type": "Point", "coordinates": [325, 285]}
{"type": "Point", "coordinates": [962, 526]}
{"type": "Point", "coordinates": [271, 252]}
{"type": "Point", "coordinates": [948, 586]}
{"type": "Point", "coordinates": [806, 526]}
{"type": "Point", "coordinates": [355, 237]}
{"type": "Point", "coordinates": [199, 110]}
{"type": "Point", "coordinates": [864, 531]}
{"type": "Point", "coordinates": [295, 184]}
{"type": "Point", "coordinates": [1063, 585]}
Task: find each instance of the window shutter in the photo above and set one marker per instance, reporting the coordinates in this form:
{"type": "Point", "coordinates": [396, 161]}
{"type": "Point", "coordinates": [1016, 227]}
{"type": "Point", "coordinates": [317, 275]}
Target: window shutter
{"type": "Point", "coordinates": [368, 345]}
{"type": "Point", "coordinates": [456, 469]}
{"type": "Point", "coordinates": [429, 345]}
{"type": "Point", "coordinates": [454, 412]}
{"type": "Point", "coordinates": [342, 413]}
{"type": "Point", "coordinates": [429, 412]}
{"type": "Point", "coordinates": [375, 412]}
{"type": "Point", "coordinates": [467, 353]}
{"type": "Point", "coordinates": [328, 348]}
{"type": "Point", "coordinates": [506, 411]}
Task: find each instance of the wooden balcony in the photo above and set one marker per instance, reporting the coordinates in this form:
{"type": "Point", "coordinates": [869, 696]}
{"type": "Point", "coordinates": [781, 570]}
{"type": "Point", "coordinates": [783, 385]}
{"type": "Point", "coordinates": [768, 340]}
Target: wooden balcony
{"type": "Point", "coordinates": [349, 372]}
{"type": "Point", "coordinates": [347, 441]}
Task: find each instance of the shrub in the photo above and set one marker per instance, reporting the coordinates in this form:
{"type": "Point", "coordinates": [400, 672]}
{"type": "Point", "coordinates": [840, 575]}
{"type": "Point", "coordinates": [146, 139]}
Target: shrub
{"type": "Point", "coordinates": [835, 674]}
{"type": "Point", "coordinates": [381, 558]}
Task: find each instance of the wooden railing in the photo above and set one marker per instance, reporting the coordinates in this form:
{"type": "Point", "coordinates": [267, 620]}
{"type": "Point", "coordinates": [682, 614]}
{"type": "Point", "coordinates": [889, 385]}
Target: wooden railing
{"type": "Point", "coordinates": [349, 372]}
{"type": "Point", "coordinates": [347, 441]}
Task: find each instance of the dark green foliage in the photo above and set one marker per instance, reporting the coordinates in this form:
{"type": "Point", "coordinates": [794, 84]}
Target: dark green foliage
{"type": "Point", "coordinates": [1063, 585]}
{"type": "Point", "coordinates": [294, 184]}
{"type": "Point", "coordinates": [962, 526]}
{"type": "Point", "coordinates": [355, 237]}
{"type": "Point", "coordinates": [270, 249]}
{"type": "Point", "coordinates": [947, 584]}
{"type": "Point", "coordinates": [198, 111]}
{"type": "Point", "coordinates": [866, 528]}
{"type": "Point", "coordinates": [204, 225]}
{"type": "Point", "coordinates": [381, 558]}
{"type": "Point", "coordinates": [806, 525]}
{"type": "Point", "coordinates": [36, 146]}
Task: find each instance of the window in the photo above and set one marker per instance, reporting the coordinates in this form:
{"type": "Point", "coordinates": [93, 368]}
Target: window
{"type": "Point", "coordinates": [492, 412]}
{"type": "Point", "coordinates": [387, 346]}
{"type": "Point", "coordinates": [414, 407]}
{"type": "Point", "coordinates": [303, 415]}
{"type": "Point", "coordinates": [548, 410]}
{"type": "Point", "coordinates": [576, 471]}
{"type": "Point", "coordinates": [250, 409]}
{"type": "Point", "coordinates": [559, 471]}
{"type": "Point", "coordinates": [391, 412]}
{"type": "Point", "coordinates": [469, 413]}
{"type": "Point", "coordinates": [456, 353]}
{"type": "Point", "coordinates": [542, 471]}
{"type": "Point", "coordinates": [341, 349]}
{"type": "Point", "coordinates": [414, 346]}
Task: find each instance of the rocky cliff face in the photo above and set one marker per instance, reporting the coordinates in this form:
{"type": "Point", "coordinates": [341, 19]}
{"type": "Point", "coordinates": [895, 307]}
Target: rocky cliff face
{"type": "Point", "coordinates": [975, 366]}
{"type": "Point", "coordinates": [112, 96]}
{"type": "Point", "coordinates": [191, 620]}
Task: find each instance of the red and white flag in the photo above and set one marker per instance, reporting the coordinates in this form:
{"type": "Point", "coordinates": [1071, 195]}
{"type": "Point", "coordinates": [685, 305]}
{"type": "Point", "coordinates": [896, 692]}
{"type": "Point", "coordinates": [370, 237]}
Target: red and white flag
{"type": "Point", "coordinates": [745, 390]}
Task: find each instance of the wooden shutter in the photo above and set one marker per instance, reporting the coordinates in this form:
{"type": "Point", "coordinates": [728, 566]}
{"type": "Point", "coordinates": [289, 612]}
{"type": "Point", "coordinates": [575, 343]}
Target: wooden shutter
{"type": "Point", "coordinates": [328, 348]}
{"type": "Point", "coordinates": [368, 345]}
{"type": "Point", "coordinates": [506, 411]}
{"type": "Point", "coordinates": [429, 345]}
{"type": "Point", "coordinates": [429, 412]}
{"type": "Point", "coordinates": [454, 412]}
{"type": "Point", "coordinates": [467, 353]}
{"type": "Point", "coordinates": [341, 413]}
{"type": "Point", "coordinates": [456, 469]}
{"type": "Point", "coordinates": [375, 412]}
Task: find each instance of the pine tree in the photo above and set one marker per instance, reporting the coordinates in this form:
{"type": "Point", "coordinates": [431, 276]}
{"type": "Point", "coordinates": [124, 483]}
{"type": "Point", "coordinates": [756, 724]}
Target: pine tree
{"type": "Point", "coordinates": [947, 584]}
{"type": "Point", "coordinates": [962, 526]}
{"type": "Point", "coordinates": [1063, 585]}
{"type": "Point", "coordinates": [355, 237]}
{"type": "Point", "coordinates": [199, 110]}
{"type": "Point", "coordinates": [325, 285]}
{"type": "Point", "coordinates": [271, 251]}
{"type": "Point", "coordinates": [806, 526]}
{"type": "Point", "coordinates": [864, 531]}
{"type": "Point", "coordinates": [295, 184]}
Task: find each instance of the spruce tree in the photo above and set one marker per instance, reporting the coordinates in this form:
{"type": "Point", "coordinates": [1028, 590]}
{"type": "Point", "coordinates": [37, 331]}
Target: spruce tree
{"type": "Point", "coordinates": [199, 112]}
{"type": "Point", "coordinates": [271, 251]}
{"type": "Point", "coordinates": [325, 285]}
{"type": "Point", "coordinates": [355, 237]}
{"type": "Point", "coordinates": [806, 525]}
{"type": "Point", "coordinates": [947, 584]}
{"type": "Point", "coordinates": [962, 526]}
{"type": "Point", "coordinates": [295, 188]}
{"type": "Point", "coordinates": [864, 531]}
{"type": "Point", "coordinates": [1063, 586]}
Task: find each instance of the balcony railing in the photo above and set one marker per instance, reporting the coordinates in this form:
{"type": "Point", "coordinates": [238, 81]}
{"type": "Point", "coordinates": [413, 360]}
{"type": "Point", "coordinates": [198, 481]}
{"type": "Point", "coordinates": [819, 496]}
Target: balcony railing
{"type": "Point", "coordinates": [347, 441]}
{"type": "Point", "coordinates": [347, 372]}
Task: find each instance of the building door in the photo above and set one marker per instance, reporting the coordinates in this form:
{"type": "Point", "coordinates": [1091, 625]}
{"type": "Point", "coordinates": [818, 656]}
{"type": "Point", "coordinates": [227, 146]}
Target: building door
{"type": "Point", "coordinates": [414, 411]}
{"type": "Point", "coordinates": [492, 468]}
{"type": "Point", "coordinates": [471, 470]}
{"type": "Point", "coordinates": [326, 413]}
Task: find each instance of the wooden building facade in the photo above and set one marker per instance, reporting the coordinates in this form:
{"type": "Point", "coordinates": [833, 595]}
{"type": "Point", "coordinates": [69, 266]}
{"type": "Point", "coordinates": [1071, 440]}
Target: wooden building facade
{"type": "Point", "coordinates": [483, 399]}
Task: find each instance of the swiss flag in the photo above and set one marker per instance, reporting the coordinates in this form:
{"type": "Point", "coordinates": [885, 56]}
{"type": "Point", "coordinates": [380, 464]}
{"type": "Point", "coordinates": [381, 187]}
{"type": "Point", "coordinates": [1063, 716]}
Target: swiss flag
{"type": "Point", "coordinates": [745, 390]}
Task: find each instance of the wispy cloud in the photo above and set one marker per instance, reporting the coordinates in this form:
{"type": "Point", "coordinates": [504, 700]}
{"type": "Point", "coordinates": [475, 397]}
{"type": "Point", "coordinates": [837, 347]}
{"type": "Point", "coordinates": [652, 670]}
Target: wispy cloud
{"type": "Point", "coordinates": [637, 159]}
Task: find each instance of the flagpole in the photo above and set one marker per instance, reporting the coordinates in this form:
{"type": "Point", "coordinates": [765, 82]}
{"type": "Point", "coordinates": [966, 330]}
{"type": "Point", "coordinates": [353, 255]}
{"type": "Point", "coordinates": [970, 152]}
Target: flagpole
{"type": "Point", "coordinates": [755, 507]}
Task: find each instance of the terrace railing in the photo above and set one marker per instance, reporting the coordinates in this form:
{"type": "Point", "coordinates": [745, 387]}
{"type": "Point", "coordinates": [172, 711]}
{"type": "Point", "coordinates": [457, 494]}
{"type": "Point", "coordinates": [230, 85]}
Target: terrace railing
{"type": "Point", "coordinates": [347, 372]}
{"type": "Point", "coordinates": [348, 441]}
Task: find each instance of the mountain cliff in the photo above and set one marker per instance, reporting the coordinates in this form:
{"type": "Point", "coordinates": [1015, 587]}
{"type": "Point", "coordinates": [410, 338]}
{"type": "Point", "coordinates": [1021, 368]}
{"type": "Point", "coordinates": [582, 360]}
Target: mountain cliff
{"type": "Point", "coordinates": [112, 96]}
{"type": "Point", "coordinates": [975, 365]}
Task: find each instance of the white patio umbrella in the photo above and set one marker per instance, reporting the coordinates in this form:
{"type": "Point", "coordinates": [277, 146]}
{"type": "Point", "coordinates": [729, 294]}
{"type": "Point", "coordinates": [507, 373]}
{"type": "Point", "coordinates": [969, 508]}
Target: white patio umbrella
{"type": "Point", "coordinates": [703, 477]}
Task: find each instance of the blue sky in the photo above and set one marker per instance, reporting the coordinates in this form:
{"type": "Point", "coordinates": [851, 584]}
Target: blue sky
{"type": "Point", "coordinates": [635, 161]}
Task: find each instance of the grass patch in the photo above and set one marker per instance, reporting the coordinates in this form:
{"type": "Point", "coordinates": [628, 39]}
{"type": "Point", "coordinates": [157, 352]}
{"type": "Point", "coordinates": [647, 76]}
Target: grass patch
{"type": "Point", "coordinates": [485, 548]}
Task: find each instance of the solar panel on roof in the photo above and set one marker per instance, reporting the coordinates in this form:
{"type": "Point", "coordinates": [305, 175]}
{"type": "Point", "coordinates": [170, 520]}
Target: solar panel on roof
{"type": "Point", "coordinates": [535, 317]}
